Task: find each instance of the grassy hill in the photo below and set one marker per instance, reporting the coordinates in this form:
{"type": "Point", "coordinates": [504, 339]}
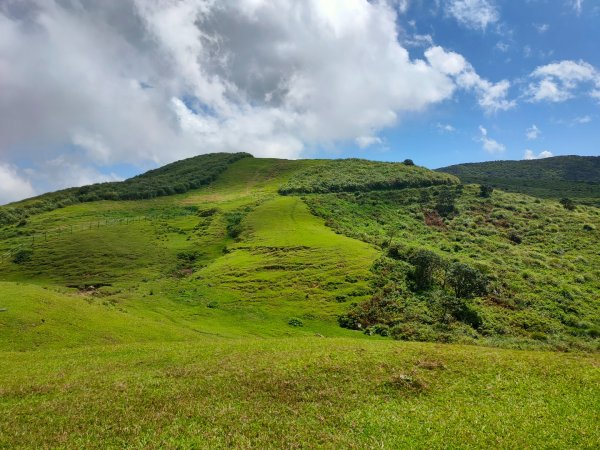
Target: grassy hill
{"type": "Point", "coordinates": [576, 177]}
{"type": "Point", "coordinates": [210, 318]}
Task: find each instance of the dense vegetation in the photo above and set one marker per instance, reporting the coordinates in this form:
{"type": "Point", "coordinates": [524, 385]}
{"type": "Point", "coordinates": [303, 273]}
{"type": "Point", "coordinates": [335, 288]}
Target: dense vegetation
{"type": "Point", "coordinates": [351, 175]}
{"type": "Point", "coordinates": [576, 177]}
{"type": "Point", "coordinates": [211, 320]}
{"type": "Point", "coordinates": [506, 269]}
{"type": "Point", "coordinates": [175, 178]}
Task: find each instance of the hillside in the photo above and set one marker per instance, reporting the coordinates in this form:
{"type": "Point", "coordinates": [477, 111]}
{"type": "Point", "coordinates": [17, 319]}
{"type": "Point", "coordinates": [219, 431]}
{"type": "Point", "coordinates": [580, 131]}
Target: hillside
{"type": "Point", "coordinates": [231, 315]}
{"type": "Point", "coordinates": [576, 177]}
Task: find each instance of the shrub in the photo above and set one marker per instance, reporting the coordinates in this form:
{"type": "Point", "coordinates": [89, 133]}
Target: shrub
{"type": "Point", "coordinates": [425, 263]}
{"type": "Point", "coordinates": [485, 191]}
{"type": "Point", "coordinates": [567, 203]}
{"type": "Point", "coordinates": [408, 162]}
{"type": "Point", "coordinates": [22, 256]}
{"type": "Point", "coordinates": [445, 203]}
{"type": "Point", "coordinates": [295, 322]}
{"type": "Point", "coordinates": [466, 281]}
{"type": "Point", "coordinates": [514, 237]}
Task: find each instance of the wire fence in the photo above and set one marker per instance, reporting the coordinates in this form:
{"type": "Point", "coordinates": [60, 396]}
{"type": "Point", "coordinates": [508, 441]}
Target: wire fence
{"type": "Point", "coordinates": [40, 238]}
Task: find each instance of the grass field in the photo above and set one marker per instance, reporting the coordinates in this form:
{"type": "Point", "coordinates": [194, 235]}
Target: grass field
{"type": "Point", "coordinates": [212, 323]}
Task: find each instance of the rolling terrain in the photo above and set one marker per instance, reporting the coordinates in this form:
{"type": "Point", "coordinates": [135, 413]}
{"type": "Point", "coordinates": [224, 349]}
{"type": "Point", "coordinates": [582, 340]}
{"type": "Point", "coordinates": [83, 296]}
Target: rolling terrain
{"type": "Point", "coordinates": [576, 177]}
{"type": "Point", "coordinates": [281, 304]}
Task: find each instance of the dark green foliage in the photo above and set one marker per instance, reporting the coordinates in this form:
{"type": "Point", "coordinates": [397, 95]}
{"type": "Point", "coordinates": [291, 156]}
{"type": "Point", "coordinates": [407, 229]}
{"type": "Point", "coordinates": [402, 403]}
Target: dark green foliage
{"type": "Point", "coordinates": [234, 223]}
{"type": "Point", "coordinates": [573, 176]}
{"type": "Point", "coordinates": [175, 178]}
{"type": "Point", "coordinates": [445, 205]}
{"type": "Point", "coordinates": [547, 286]}
{"type": "Point", "coordinates": [408, 162]}
{"type": "Point", "coordinates": [485, 191]}
{"type": "Point", "coordinates": [567, 203]}
{"type": "Point", "coordinates": [356, 175]}
{"type": "Point", "coordinates": [22, 256]}
{"type": "Point", "coordinates": [426, 263]}
{"type": "Point", "coordinates": [295, 322]}
{"type": "Point", "coordinates": [466, 281]}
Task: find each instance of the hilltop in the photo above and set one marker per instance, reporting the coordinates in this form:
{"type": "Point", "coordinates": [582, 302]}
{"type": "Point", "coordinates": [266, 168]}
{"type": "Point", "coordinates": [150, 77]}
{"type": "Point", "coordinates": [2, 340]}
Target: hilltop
{"type": "Point", "coordinates": [576, 177]}
{"type": "Point", "coordinates": [231, 301]}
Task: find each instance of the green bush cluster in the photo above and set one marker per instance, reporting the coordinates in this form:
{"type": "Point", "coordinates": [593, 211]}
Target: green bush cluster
{"type": "Point", "coordinates": [355, 175]}
{"type": "Point", "coordinates": [175, 178]}
{"type": "Point", "coordinates": [562, 176]}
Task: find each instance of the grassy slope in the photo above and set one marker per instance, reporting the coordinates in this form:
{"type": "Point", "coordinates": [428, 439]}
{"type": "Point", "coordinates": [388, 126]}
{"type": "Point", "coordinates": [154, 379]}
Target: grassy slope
{"type": "Point", "coordinates": [182, 369]}
{"type": "Point", "coordinates": [577, 177]}
{"type": "Point", "coordinates": [544, 289]}
{"type": "Point", "coordinates": [299, 393]}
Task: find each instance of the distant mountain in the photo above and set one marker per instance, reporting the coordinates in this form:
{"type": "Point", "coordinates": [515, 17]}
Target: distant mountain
{"type": "Point", "coordinates": [576, 177]}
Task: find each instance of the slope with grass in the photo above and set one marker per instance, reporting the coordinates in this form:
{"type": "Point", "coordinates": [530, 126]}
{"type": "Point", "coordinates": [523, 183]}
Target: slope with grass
{"type": "Point", "coordinates": [212, 321]}
{"type": "Point", "coordinates": [576, 177]}
{"type": "Point", "coordinates": [539, 260]}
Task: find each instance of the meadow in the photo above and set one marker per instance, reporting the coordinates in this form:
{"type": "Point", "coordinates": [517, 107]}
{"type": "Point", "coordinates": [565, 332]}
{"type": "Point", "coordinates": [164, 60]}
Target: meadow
{"type": "Point", "coordinates": [210, 318]}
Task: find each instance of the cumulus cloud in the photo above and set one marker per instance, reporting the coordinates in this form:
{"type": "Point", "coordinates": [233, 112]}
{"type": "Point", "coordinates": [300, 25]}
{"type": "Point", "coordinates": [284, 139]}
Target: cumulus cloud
{"type": "Point", "coordinates": [529, 154]}
{"type": "Point", "coordinates": [489, 145]}
{"type": "Point", "coordinates": [492, 97]}
{"type": "Point", "coordinates": [367, 141]}
{"type": "Point", "coordinates": [562, 81]}
{"type": "Point", "coordinates": [475, 14]}
{"type": "Point", "coordinates": [145, 83]}
{"type": "Point", "coordinates": [533, 132]}
{"type": "Point", "coordinates": [13, 186]}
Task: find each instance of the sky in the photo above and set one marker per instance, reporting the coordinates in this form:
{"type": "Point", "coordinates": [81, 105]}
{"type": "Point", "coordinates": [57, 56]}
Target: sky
{"type": "Point", "coordinates": [100, 91]}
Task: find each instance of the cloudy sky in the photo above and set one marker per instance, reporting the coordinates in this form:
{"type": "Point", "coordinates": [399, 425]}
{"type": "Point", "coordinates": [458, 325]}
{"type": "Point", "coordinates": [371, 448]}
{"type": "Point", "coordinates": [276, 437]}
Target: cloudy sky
{"type": "Point", "coordinates": [101, 90]}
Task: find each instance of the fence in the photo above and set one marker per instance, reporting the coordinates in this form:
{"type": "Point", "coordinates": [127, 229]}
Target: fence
{"type": "Point", "coordinates": [42, 237]}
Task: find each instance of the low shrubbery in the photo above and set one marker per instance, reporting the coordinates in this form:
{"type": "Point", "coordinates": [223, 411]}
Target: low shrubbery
{"type": "Point", "coordinates": [175, 178]}
{"type": "Point", "coordinates": [356, 175]}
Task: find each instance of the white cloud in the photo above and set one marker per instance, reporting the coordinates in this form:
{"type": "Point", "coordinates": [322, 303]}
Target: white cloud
{"type": "Point", "coordinates": [492, 97]}
{"type": "Point", "coordinates": [561, 81]}
{"type": "Point", "coordinates": [146, 83]}
{"type": "Point", "coordinates": [529, 155]}
{"type": "Point", "coordinates": [445, 128]}
{"type": "Point", "coordinates": [542, 27]}
{"type": "Point", "coordinates": [13, 186]}
{"type": "Point", "coordinates": [533, 132]}
{"type": "Point", "coordinates": [577, 6]}
{"type": "Point", "coordinates": [475, 14]}
{"type": "Point", "coordinates": [490, 145]}
{"type": "Point", "coordinates": [583, 119]}
{"type": "Point", "coordinates": [367, 141]}
{"type": "Point", "coordinates": [502, 46]}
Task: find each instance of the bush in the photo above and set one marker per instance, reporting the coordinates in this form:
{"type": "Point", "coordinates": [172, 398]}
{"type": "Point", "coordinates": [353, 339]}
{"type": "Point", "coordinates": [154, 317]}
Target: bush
{"type": "Point", "coordinates": [567, 203]}
{"type": "Point", "coordinates": [425, 263]}
{"type": "Point", "coordinates": [408, 162]}
{"type": "Point", "coordinates": [295, 322]}
{"type": "Point", "coordinates": [22, 256]}
{"type": "Point", "coordinates": [514, 237]}
{"type": "Point", "coordinates": [485, 191]}
{"type": "Point", "coordinates": [466, 281]}
{"type": "Point", "coordinates": [445, 203]}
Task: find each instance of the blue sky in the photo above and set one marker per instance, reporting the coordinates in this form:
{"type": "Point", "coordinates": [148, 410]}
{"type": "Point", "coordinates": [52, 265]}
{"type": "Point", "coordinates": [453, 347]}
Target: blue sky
{"type": "Point", "coordinates": [526, 35]}
{"type": "Point", "coordinates": [100, 91]}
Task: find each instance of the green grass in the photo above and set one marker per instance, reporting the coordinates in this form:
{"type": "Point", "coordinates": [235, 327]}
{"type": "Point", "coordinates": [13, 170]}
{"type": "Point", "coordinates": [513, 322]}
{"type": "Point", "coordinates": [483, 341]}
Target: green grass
{"type": "Point", "coordinates": [196, 337]}
{"type": "Point", "coordinates": [298, 393]}
{"type": "Point", "coordinates": [576, 177]}
{"type": "Point", "coordinates": [543, 291]}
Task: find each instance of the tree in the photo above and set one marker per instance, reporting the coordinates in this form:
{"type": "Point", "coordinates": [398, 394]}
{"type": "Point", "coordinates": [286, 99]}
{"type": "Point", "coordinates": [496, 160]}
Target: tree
{"type": "Point", "coordinates": [485, 190]}
{"type": "Point", "coordinates": [408, 162]}
{"type": "Point", "coordinates": [466, 281]}
{"type": "Point", "coordinates": [425, 263]}
{"type": "Point", "coordinates": [567, 203]}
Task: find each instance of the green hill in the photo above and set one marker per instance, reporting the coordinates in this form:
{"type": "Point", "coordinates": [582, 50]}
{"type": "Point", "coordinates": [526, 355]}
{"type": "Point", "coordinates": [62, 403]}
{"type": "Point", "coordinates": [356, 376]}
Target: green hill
{"type": "Point", "coordinates": [576, 177]}
{"type": "Point", "coordinates": [277, 304]}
